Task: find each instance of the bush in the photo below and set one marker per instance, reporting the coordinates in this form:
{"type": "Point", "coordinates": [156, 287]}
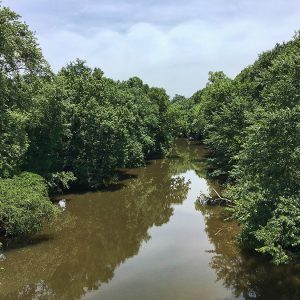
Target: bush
{"type": "Point", "coordinates": [60, 181]}
{"type": "Point", "coordinates": [24, 205]}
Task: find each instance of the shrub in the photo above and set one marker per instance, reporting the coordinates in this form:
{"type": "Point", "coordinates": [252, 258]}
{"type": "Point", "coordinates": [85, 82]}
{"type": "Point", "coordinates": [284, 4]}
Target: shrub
{"type": "Point", "coordinates": [24, 204]}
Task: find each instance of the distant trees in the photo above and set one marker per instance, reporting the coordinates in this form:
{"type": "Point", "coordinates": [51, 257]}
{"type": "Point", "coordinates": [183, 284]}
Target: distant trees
{"type": "Point", "coordinates": [252, 125]}
{"type": "Point", "coordinates": [182, 111]}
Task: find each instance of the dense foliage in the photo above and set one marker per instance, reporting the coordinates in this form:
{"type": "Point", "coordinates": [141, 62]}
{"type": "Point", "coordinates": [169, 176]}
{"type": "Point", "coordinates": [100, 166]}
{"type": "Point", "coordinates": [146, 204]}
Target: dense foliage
{"type": "Point", "coordinates": [182, 110]}
{"type": "Point", "coordinates": [24, 204]}
{"type": "Point", "coordinates": [73, 125]}
{"type": "Point", "coordinates": [252, 125]}
{"type": "Point", "coordinates": [91, 125]}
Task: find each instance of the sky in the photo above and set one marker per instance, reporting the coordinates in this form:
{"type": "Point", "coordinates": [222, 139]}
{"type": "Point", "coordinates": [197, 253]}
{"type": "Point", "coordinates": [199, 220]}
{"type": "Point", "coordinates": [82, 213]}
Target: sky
{"type": "Point", "coordinates": [167, 43]}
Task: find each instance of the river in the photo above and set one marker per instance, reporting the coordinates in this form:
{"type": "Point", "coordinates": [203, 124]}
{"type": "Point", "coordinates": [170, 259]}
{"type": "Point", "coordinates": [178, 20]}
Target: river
{"type": "Point", "coordinates": [144, 238]}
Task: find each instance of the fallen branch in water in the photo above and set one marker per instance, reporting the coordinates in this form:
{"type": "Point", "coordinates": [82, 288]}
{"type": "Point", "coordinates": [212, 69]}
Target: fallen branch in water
{"type": "Point", "coordinates": [223, 199]}
{"type": "Point", "coordinates": [216, 201]}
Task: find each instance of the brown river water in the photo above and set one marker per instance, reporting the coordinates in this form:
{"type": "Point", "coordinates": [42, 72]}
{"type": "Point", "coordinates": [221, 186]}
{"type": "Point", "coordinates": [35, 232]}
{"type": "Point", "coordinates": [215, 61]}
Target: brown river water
{"type": "Point", "coordinates": [145, 238]}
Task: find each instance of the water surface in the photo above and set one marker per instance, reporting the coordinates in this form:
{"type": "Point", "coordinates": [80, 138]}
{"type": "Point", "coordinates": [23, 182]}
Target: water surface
{"type": "Point", "coordinates": [144, 238]}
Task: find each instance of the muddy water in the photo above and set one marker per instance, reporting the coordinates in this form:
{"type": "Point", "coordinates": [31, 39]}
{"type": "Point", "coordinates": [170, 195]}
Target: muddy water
{"type": "Point", "coordinates": [144, 239]}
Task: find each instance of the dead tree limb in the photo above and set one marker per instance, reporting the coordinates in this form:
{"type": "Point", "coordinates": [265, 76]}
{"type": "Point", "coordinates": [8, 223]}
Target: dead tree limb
{"type": "Point", "coordinates": [216, 201]}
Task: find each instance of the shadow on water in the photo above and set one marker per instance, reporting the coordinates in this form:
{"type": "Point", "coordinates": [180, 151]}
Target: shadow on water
{"type": "Point", "coordinates": [116, 183]}
{"type": "Point", "coordinates": [27, 242]}
{"type": "Point", "coordinates": [247, 274]}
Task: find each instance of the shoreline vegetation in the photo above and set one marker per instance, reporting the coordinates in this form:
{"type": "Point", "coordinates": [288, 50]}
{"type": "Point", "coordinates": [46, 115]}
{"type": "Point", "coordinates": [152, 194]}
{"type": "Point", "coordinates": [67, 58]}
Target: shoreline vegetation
{"type": "Point", "coordinates": [77, 127]}
{"type": "Point", "coordinates": [252, 126]}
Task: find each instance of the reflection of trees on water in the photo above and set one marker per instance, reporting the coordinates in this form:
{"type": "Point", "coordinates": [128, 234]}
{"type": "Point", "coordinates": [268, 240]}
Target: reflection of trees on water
{"type": "Point", "coordinates": [93, 237]}
{"type": "Point", "coordinates": [188, 155]}
{"type": "Point", "coordinates": [248, 275]}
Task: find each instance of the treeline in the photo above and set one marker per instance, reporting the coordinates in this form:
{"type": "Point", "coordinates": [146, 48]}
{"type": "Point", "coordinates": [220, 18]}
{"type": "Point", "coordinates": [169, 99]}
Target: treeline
{"type": "Point", "coordinates": [76, 125]}
{"type": "Point", "coordinates": [252, 126]}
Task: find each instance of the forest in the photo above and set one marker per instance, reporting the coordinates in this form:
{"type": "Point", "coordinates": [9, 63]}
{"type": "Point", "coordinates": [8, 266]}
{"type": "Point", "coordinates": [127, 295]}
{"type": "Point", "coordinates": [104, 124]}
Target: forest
{"type": "Point", "coordinates": [77, 127]}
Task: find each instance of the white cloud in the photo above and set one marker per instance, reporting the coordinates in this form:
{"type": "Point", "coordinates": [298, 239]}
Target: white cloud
{"type": "Point", "coordinates": [178, 58]}
{"type": "Point", "coordinates": [166, 43]}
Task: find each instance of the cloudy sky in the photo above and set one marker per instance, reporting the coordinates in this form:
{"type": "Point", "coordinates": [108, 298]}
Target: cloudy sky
{"type": "Point", "coordinates": [168, 43]}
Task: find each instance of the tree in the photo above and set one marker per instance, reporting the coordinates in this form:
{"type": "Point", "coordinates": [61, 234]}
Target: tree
{"type": "Point", "coordinates": [251, 124]}
{"type": "Point", "coordinates": [21, 63]}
